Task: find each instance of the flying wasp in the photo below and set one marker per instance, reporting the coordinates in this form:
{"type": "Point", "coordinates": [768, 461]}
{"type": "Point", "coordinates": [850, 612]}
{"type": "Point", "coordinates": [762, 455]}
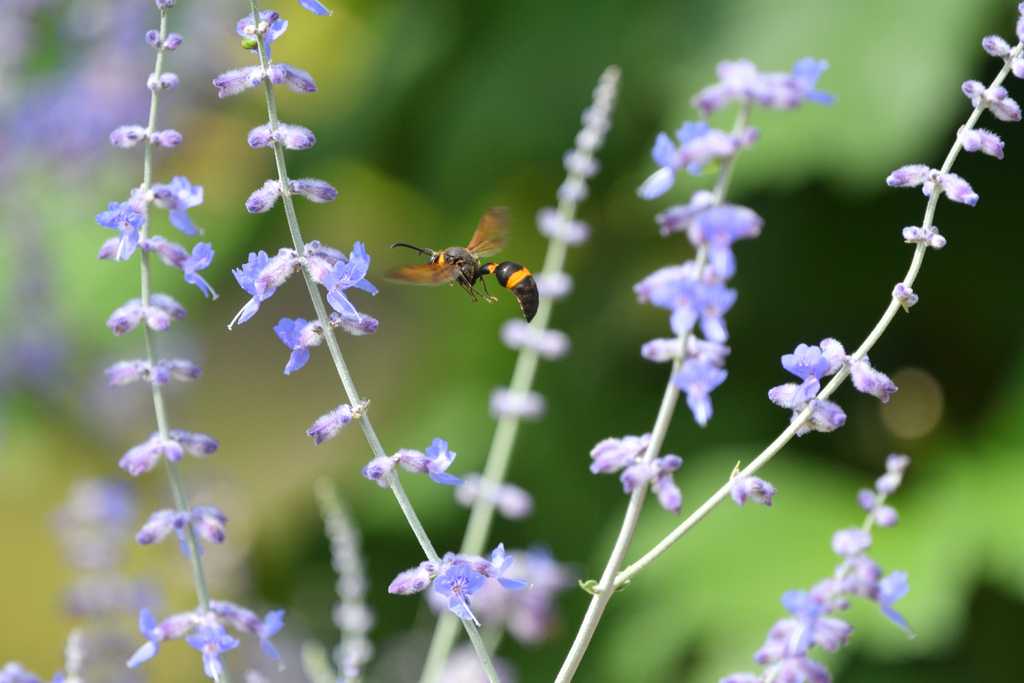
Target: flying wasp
{"type": "Point", "coordinates": [462, 265]}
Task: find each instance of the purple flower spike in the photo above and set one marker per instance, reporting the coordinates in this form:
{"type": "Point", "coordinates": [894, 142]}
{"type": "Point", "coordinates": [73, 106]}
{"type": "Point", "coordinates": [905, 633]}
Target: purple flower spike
{"type": "Point", "coordinates": [330, 425]}
{"type": "Point", "coordinates": [347, 274]}
{"type": "Point", "coordinates": [698, 380]}
{"type": "Point", "coordinates": [124, 218]}
{"type": "Point", "coordinates": [457, 584]}
{"type": "Point", "coordinates": [865, 378]}
{"type": "Point", "coordinates": [754, 488]}
{"type": "Point", "coordinates": [212, 641]}
{"type": "Point", "coordinates": [440, 460]}
{"type": "Point", "coordinates": [178, 196]}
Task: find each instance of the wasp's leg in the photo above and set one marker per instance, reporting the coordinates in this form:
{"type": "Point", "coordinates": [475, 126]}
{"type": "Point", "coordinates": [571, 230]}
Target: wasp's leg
{"type": "Point", "coordinates": [466, 286]}
{"type": "Point", "coordinates": [487, 295]}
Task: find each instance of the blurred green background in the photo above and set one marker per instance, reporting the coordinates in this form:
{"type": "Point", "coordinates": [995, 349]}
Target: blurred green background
{"type": "Point", "coordinates": [427, 113]}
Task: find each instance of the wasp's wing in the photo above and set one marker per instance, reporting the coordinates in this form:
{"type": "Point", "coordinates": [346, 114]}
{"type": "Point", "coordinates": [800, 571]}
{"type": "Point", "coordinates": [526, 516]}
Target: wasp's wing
{"type": "Point", "coordinates": [491, 234]}
{"type": "Point", "coordinates": [424, 274]}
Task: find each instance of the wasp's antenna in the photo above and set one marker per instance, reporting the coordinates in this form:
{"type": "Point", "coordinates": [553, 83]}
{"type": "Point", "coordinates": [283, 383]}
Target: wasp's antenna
{"type": "Point", "coordinates": [428, 252]}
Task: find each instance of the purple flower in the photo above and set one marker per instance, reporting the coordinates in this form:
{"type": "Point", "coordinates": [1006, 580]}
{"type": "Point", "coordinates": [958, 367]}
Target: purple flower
{"type": "Point", "coordinates": [740, 81]}
{"type": "Point", "coordinates": [501, 563]}
{"type": "Point", "coordinates": [511, 501]}
{"type": "Point", "coordinates": [527, 406]}
{"type": "Point", "coordinates": [261, 277]}
{"type": "Point", "coordinates": [158, 314]}
{"type": "Point", "coordinates": [346, 274]}
{"type": "Point", "coordinates": [294, 78]}
{"type": "Point", "coordinates": [895, 466]}
{"type": "Point", "coordinates": [270, 26]}
{"type": "Point", "coordinates": [413, 580]}
{"type": "Point", "coordinates": [329, 425]}
{"type": "Point", "coordinates": [263, 199]}
{"type": "Point", "coordinates": [954, 187]}
{"type": "Point", "coordinates": [315, 7]}
{"type": "Point", "coordinates": [611, 455]}
{"type": "Point", "coordinates": [126, 137]}
{"type": "Point", "coordinates": [657, 473]}
{"type": "Point", "coordinates": [550, 224]}
{"type": "Point", "coordinates": [178, 196]}
{"type": "Point", "coordinates": [201, 258]}
{"type": "Point", "coordinates": [985, 141]}
{"type": "Point", "coordinates": [237, 80]}
{"type": "Point", "coordinates": [516, 333]}
{"type": "Point", "coordinates": [246, 621]}
{"type": "Point", "coordinates": [212, 641]}
{"type": "Point", "coordinates": [891, 589]}
{"type": "Point", "coordinates": [290, 136]}
{"type": "Point", "coordinates": [378, 469]}
{"type": "Point", "coordinates": [457, 584]}
{"type": "Point", "coordinates": [316, 191]}
{"type": "Point", "coordinates": [809, 364]}
{"type": "Point", "coordinates": [124, 218]}
{"type": "Point", "coordinates": [554, 286]}
{"type": "Point", "coordinates": [440, 460]}
{"type": "Point", "coordinates": [851, 541]}
{"type": "Point", "coordinates": [754, 488]}
{"type": "Point", "coordinates": [171, 628]}
{"type": "Point", "coordinates": [929, 236]}
{"type": "Point", "coordinates": [995, 99]}
{"type": "Point", "coordinates": [298, 335]}
{"type": "Point", "coordinates": [717, 228]}
{"type": "Point", "coordinates": [865, 378]}
{"type": "Point", "coordinates": [699, 145]}
{"type": "Point", "coordinates": [905, 295]}
{"type": "Point", "coordinates": [698, 379]}
{"type": "Point", "coordinates": [825, 416]}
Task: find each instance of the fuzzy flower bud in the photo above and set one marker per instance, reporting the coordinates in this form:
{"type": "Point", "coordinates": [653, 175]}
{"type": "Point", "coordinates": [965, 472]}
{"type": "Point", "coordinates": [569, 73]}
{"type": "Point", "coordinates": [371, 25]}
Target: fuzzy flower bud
{"type": "Point", "coordinates": [329, 425]}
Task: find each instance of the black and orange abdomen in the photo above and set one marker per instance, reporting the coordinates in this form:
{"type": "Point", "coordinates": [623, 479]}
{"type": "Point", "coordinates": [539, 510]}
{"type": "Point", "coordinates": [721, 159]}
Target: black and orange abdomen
{"type": "Point", "coordinates": [517, 279]}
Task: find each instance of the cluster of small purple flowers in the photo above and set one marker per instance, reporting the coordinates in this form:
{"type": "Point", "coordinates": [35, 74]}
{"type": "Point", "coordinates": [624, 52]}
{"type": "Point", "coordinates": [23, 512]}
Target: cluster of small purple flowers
{"type": "Point", "coordinates": [695, 292]}
{"type": "Point", "coordinates": [811, 364]}
{"type": "Point", "coordinates": [201, 627]}
{"type": "Point", "coordinates": [626, 454]}
{"type": "Point", "coordinates": [784, 653]}
{"type": "Point", "coordinates": [203, 630]}
{"type": "Point", "coordinates": [323, 265]}
{"type": "Point", "coordinates": [457, 577]}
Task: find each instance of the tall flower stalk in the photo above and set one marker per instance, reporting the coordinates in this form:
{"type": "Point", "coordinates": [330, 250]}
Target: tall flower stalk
{"type": "Point", "coordinates": [533, 340]}
{"type": "Point", "coordinates": [202, 627]}
{"type": "Point", "coordinates": [322, 265]}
